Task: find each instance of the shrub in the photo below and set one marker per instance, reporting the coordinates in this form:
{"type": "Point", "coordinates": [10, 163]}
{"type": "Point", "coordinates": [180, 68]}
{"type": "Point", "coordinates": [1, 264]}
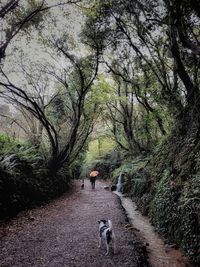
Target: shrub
{"type": "Point", "coordinates": [20, 190]}
{"type": "Point", "coordinates": [7, 144]}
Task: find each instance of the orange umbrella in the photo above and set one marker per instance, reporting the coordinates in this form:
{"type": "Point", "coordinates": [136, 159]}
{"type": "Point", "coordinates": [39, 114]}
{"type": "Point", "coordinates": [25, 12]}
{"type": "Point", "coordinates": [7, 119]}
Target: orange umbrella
{"type": "Point", "coordinates": [94, 173]}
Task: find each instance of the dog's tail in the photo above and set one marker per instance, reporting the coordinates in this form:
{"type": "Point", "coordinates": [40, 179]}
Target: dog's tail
{"type": "Point", "coordinates": [110, 225]}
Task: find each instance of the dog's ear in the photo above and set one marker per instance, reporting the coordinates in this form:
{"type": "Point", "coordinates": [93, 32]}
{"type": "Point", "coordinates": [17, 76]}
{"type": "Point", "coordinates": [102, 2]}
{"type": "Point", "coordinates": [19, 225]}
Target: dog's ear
{"type": "Point", "coordinates": [103, 221]}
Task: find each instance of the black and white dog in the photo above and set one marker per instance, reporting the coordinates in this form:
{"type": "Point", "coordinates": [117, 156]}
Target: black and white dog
{"type": "Point", "coordinates": [106, 233]}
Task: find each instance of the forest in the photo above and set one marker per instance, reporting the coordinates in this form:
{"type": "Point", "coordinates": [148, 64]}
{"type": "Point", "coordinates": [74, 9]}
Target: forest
{"type": "Point", "coordinates": [110, 85]}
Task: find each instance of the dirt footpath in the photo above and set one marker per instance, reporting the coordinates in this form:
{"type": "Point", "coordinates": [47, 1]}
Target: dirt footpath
{"type": "Point", "coordinates": [64, 233]}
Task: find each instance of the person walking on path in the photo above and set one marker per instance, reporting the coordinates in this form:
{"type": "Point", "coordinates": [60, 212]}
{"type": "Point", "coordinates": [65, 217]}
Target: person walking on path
{"type": "Point", "coordinates": [93, 176]}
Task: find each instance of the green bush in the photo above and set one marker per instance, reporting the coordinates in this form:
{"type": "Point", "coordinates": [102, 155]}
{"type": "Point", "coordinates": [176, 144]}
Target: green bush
{"type": "Point", "coordinates": [22, 190]}
{"type": "Point", "coordinates": [22, 149]}
{"type": "Point", "coordinates": [175, 212]}
{"type": "Point", "coordinates": [164, 213]}
{"type": "Point", "coordinates": [7, 144]}
{"type": "Point", "coordinates": [24, 181]}
{"type": "Point", "coordinates": [135, 181]}
{"type": "Point", "coordinates": [129, 166]}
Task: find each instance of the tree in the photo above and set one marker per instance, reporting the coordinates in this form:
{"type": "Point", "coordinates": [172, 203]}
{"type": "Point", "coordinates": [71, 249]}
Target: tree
{"type": "Point", "coordinates": [134, 111]}
{"type": "Point", "coordinates": [155, 38]}
{"type": "Point", "coordinates": [67, 137]}
{"type": "Point", "coordinates": [81, 75]}
{"type": "Point", "coordinates": [16, 15]}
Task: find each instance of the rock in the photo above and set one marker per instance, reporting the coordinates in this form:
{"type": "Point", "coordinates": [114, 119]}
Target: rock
{"type": "Point", "coordinates": [106, 187]}
{"type": "Point", "coordinates": [128, 225]}
{"type": "Point", "coordinates": [171, 246]}
{"type": "Point", "coordinates": [113, 187]}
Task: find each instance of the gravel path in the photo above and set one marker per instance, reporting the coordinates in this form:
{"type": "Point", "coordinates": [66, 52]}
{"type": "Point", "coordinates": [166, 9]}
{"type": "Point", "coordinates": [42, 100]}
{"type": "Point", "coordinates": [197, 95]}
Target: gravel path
{"type": "Point", "coordinates": [64, 233]}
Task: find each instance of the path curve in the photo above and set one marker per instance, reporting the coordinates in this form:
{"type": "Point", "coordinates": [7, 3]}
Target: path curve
{"type": "Point", "coordinates": [64, 233]}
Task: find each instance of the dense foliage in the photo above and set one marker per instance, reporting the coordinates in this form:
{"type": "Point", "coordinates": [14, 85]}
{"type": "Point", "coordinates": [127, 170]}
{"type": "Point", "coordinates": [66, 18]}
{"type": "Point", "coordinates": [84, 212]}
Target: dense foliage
{"type": "Point", "coordinates": [24, 180]}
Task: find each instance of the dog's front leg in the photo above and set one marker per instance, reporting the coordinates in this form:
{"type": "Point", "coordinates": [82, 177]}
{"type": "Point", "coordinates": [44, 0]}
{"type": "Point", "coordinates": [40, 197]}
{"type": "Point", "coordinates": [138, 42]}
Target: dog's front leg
{"type": "Point", "coordinates": [99, 244]}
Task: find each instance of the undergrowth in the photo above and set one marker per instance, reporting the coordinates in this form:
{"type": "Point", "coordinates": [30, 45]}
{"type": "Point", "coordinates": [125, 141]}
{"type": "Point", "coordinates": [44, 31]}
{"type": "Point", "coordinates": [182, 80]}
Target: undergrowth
{"type": "Point", "coordinates": [169, 193]}
{"type": "Point", "coordinates": [24, 179]}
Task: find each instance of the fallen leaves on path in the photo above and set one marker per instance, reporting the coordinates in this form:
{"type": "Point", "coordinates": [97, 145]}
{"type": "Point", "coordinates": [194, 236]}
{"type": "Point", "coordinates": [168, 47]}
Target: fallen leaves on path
{"type": "Point", "coordinates": [64, 233]}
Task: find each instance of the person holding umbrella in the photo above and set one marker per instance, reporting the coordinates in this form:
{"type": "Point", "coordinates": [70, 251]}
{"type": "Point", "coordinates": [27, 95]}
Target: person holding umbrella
{"type": "Point", "coordinates": [93, 176]}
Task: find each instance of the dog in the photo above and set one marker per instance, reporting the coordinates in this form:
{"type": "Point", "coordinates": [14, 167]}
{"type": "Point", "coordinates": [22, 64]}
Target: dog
{"type": "Point", "coordinates": [82, 185]}
{"type": "Point", "coordinates": [106, 233]}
